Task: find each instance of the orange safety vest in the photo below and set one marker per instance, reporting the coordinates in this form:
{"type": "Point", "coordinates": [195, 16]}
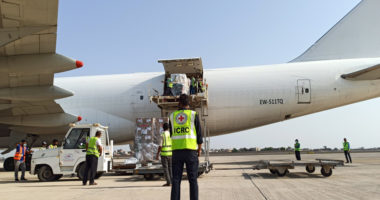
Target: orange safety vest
{"type": "Point", "coordinates": [18, 154]}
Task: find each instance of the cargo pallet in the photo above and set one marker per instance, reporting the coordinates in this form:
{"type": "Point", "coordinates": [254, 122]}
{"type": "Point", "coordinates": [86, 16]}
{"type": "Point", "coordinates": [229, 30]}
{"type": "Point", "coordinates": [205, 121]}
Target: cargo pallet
{"type": "Point", "coordinates": [281, 167]}
{"type": "Point", "coordinates": [152, 170]}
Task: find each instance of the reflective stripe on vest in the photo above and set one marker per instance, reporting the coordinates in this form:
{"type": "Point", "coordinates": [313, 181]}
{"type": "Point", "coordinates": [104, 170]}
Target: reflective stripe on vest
{"type": "Point", "coordinates": [184, 135]}
{"type": "Point", "coordinates": [20, 153]}
{"type": "Point", "coordinates": [346, 146]}
{"type": "Point", "coordinates": [297, 147]}
{"type": "Point", "coordinates": [92, 149]}
{"type": "Point", "coordinates": [166, 149]}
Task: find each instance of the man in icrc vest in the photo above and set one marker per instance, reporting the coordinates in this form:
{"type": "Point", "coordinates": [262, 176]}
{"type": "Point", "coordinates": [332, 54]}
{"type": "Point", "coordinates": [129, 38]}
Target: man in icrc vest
{"type": "Point", "coordinates": [187, 142]}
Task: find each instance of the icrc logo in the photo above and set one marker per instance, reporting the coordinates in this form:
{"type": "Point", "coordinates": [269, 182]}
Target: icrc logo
{"type": "Point", "coordinates": [181, 118]}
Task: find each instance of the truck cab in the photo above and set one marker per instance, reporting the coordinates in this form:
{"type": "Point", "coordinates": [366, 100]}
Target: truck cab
{"type": "Point", "coordinates": [69, 159]}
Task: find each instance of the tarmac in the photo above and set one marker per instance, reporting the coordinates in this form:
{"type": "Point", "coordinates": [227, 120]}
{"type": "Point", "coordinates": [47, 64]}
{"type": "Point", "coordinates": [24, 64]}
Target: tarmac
{"type": "Point", "coordinates": [232, 178]}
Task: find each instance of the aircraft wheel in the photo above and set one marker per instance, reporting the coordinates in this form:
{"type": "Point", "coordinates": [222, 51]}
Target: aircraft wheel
{"type": "Point", "coordinates": [45, 174]}
{"type": "Point", "coordinates": [9, 164]}
{"type": "Point", "coordinates": [310, 168]}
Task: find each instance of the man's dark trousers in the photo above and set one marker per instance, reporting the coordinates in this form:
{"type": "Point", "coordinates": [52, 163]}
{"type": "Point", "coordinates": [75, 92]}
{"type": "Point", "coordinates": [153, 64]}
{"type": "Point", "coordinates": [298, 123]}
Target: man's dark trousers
{"type": "Point", "coordinates": [298, 155]}
{"type": "Point", "coordinates": [91, 168]}
{"type": "Point", "coordinates": [190, 158]}
{"type": "Point", "coordinates": [167, 165]}
{"type": "Point", "coordinates": [348, 156]}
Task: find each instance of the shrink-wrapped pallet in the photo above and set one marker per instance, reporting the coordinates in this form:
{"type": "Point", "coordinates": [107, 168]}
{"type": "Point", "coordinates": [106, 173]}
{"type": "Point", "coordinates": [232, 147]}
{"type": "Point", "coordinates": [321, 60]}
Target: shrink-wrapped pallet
{"type": "Point", "coordinates": [181, 84]}
{"type": "Point", "coordinates": [147, 138]}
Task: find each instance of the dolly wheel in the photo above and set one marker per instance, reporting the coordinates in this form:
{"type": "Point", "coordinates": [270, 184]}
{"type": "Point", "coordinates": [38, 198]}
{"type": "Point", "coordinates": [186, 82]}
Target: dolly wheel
{"type": "Point", "coordinates": [326, 174]}
{"type": "Point", "coordinates": [281, 174]}
{"type": "Point", "coordinates": [310, 169]}
{"type": "Point", "coordinates": [273, 171]}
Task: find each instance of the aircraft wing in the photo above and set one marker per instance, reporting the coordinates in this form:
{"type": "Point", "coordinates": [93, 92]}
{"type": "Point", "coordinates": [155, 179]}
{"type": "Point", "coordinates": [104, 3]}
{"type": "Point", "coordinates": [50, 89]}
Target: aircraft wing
{"type": "Point", "coordinates": [28, 62]}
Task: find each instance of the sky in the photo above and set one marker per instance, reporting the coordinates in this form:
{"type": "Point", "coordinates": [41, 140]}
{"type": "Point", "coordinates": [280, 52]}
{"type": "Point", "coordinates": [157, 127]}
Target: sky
{"type": "Point", "coordinates": [118, 37]}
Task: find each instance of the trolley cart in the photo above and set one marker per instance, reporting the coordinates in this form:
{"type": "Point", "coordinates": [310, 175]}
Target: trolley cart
{"type": "Point", "coordinates": [281, 167]}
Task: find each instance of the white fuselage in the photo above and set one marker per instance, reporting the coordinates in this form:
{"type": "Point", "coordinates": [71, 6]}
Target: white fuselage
{"type": "Point", "coordinates": [239, 98]}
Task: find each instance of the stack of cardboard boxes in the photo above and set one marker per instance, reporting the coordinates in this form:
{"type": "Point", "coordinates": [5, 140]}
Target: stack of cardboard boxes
{"type": "Point", "coordinates": [147, 138]}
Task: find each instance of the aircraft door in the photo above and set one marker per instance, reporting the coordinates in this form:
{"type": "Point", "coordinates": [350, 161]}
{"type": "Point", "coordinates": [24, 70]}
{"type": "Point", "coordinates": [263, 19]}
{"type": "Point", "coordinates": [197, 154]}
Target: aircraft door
{"type": "Point", "coordinates": [304, 91]}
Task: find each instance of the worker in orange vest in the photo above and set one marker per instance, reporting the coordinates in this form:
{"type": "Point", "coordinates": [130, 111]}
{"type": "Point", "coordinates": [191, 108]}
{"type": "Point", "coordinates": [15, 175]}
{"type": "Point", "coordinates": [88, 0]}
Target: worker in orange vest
{"type": "Point", "coordinates": [19, 160]}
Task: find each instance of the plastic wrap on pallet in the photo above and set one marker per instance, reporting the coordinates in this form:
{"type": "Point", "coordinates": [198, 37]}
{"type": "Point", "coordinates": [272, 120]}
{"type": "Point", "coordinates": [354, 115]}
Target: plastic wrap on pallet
{"type": "Point", "coordinates": [181, 84]}
{"type": "Point", "coordinates": [147, 138]}
{"type": "Point", "coordinates": [132, 160]}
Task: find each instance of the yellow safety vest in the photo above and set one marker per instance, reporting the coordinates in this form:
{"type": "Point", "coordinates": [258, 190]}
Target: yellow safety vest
{"type": "Point", "coordinates": [346, 146]}
{"type": "Point", "coordinates": [92, 149]}
{"type": "Point", "coordinates": [166, 149]}
{"type": "Point", "coordinates": [297, 147]}
{"type": "Point", "coordinates": [169, 82]}
{"type": "Point", "coordinates": [184, 135]}
{"type": "Point", "coordinates": [53, 146]}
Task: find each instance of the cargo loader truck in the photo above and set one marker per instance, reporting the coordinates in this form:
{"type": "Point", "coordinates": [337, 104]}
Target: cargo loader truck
{"type": "Point", "coordinates": [69, 159]}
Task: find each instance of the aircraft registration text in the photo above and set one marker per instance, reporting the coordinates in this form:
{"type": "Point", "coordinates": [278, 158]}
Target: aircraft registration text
{"type": "Point", "coordinates": [271, 101]}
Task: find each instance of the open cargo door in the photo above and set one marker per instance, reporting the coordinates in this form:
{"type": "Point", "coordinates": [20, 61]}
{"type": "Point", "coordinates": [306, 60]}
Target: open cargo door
{"type": "Point", "coordinates": [188, 66]}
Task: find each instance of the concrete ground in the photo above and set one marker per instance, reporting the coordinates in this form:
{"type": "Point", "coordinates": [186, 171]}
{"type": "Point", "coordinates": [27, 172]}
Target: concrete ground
{"type": "Point", "coordinates": [231, 179]}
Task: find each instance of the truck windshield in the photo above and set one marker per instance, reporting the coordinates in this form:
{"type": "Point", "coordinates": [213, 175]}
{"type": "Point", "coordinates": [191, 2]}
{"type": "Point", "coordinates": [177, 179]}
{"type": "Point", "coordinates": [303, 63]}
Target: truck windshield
{"type": "Point", "coordinates": [77, 138]}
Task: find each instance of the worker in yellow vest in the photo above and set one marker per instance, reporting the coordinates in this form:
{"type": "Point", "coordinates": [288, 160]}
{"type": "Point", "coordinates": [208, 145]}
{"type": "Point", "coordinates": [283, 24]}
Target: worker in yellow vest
{"type": "Point", "coordinates": [347, 150]}
{"type": "Point", "coordinates": [165, 150]}
{"type": "Point", "coordinates": [297, 149]}
{"type": "Point", "coordinates": [19, 160]}
{"type": "Point", "coordinates": [93, 150]}
{"type": "Point", "coordinates": [54, 145]}
{"type": "Point", "coordinates": [187, 142]}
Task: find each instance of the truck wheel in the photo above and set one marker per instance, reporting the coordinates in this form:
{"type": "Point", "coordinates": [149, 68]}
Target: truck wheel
{"type": "Point", "coordinates": [81, 170]}
{"type": "Point", "coordinates": [98, 175]}
{"type": "Point", "coordinates": [45, 174]}
{"type": "Point", "coordinates": [310, 169]}
{"type": "Point", "coordinates": [326, 174]}
{"type": "Point", "coordinates": [9, 164]}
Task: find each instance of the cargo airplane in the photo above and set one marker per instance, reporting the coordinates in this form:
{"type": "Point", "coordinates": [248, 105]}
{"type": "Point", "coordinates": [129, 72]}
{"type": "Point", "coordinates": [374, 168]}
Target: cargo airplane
{"type": "Point", "coordinates": [342, 67]}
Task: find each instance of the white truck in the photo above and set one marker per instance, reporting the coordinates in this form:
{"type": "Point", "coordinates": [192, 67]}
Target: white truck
{"type": "Point", "coordinates": [69, 159]}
